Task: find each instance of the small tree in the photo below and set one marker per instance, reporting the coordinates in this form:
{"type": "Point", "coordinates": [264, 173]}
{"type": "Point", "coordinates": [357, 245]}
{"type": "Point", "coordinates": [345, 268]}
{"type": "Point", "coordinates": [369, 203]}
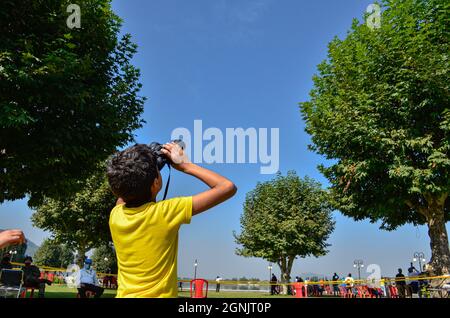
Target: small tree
{"type": "Point", "coordinates": [105, 260]}
{"type": "Point", "coordinates": [81, 220]}
{"type": "Point", "coordinates": [285, 218]}
{"type": "Point", "coordinates": [53, 254]}
{"type": "Point", "coordinates": [380, 111]}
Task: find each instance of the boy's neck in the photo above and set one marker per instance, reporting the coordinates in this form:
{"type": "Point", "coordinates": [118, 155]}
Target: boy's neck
{"type": "Point", "coordinates": [138, 204]}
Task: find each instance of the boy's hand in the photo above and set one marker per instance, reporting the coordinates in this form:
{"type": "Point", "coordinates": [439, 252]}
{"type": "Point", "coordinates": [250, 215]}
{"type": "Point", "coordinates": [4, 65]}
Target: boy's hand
{"type": "Point", "coordinates": [179, 160]}
{"type": "Point", "coordinates": [10, 237]}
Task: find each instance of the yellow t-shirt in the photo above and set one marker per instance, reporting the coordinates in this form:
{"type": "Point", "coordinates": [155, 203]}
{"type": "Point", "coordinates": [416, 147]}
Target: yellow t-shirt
{"type": "Point", "coordinates": [146, 243]}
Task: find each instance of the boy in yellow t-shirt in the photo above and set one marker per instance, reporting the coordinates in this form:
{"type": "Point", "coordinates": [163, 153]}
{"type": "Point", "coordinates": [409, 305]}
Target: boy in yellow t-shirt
{"type": "Point", "coordinates": [145, 232]}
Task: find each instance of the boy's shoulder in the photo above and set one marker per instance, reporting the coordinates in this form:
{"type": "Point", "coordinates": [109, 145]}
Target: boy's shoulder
{"type": "Point", "coordinates": [176, 203]}
{"type": "Point", "coordinates": [117, 207]}
{"type": "Point", "coordinates": [174, 200]}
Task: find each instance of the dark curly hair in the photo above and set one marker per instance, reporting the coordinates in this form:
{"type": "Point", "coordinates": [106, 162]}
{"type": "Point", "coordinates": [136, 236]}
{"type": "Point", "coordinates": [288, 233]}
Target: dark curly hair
{"type": "Point", "coordinates": [131, 173]}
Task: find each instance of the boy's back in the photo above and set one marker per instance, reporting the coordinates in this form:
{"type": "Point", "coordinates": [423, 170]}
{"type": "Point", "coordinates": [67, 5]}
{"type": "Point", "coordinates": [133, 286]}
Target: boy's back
{"type": "Point", "coordinates": [145, 233]}
{"type": "Point", "coordinates": [146, 243]}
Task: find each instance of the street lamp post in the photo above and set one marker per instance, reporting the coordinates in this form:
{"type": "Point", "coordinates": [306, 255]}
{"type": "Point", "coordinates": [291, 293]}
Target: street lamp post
{"type": "Point", "coordinates": [420, 257]}
{"type": "Point", "coordinates": [195, 269]}
{"type": "Point", "coordinates": [270, 271]}
{"type": "Point", "coordinates": [12, 254]}
{"type": "Point", "coordinates": [270, 275]}
{"type": "Point", "coordinates": [358, 263]}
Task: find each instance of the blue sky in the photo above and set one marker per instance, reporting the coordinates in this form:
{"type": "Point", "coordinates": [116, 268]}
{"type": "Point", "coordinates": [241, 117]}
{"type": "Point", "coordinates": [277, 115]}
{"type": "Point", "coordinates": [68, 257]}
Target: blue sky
{"type": "Point", "coordinates": [242, 63]}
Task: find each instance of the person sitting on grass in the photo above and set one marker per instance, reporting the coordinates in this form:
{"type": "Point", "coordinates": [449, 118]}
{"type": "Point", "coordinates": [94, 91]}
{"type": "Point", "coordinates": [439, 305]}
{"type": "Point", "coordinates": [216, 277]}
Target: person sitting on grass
{"type": "Point", "coordinates": [6, 262]}
{"type": "Point", "coordinates": [32, 277]}
{"type": "Point", "coordinates": [145, 232]}
{"type": "Point", "coordinates": [87, 281]}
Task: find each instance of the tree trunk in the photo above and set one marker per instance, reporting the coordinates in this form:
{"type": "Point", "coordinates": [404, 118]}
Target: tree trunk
{"type": "Point", "coordinates": [434, 214]}
{"type": "Point", "coordinates": [81, 255]}
{"type": "Point", "coordinates": [285, 268]}
{"type": "Point", "coordinates": [440, 253]}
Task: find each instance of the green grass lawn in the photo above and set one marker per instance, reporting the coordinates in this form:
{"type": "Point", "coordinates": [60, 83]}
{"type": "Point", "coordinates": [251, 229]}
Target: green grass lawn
{"type": "Point", "coordinates": [62, 291]}
{"type": "Point", "coordinates": [235, 294]}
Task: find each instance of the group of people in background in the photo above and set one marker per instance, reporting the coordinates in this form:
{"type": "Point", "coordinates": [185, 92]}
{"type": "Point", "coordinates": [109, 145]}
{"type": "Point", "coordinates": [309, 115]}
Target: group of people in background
{"type": "Point", "coordinates": [412, 285]}
{"type": "Point", "coordinates": [415, 283]}
{"type": "Point", "coordinates": [87, 280]}
{"type": "Point", "coordinates": [31, 274]}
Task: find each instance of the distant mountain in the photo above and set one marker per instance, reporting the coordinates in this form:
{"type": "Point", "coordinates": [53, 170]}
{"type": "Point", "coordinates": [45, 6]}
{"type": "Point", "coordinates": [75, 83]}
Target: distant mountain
{"type": "Point", "coordinates": [309, 275]}
{"type": "Point", "coordinates": [31, 248]}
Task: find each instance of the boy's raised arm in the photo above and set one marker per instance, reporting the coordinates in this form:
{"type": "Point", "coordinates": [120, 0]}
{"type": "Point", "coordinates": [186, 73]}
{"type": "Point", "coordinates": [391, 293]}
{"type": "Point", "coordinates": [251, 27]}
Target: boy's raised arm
{"type": "Point", "coordinates": [220, 190]}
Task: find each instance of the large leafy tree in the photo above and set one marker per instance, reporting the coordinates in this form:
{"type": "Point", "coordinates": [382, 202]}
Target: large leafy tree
{"type": "Point", "coordinates": [68, 97]}
{"type": "Point", "coordinates": [79, 221]}
{"type": "Point", "coordinates": [285, 218]}
{"type": "Point", "coordinates": [105, 260]}
{"type": "Point", "coordinates": [380, 111]}
{"type": "Point", "coordinates": [53, 254]}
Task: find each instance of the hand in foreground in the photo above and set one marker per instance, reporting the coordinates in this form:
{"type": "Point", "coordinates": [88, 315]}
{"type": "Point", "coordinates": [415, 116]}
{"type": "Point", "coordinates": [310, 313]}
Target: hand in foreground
{"type": "Point", "coordinates": [11, 237]}
{"type": "Point", "coordinates": [178, 158]}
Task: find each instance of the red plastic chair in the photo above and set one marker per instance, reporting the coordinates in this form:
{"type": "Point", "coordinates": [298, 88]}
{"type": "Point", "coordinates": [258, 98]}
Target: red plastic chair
{"type": "Point", "coordinates": [88, 293]}
{"type": "Point", "coordinates": [25, 290]}
{"type": "Point", "coordinates": [199, 285]}
{"type": "Point", "coordinates": [393, 291]}
{"type": "Point", "coordinates": [51, 277]}
{"type": "Point", "coordinates": [114, 282]}
{"type": "Point", "coordinates": [363, 292]}
{"type": "Point", "coordinates": [369, 291]}
{"type": "Point", "coordinates": [343, 291]}
{"type": "Point", "coordinates": [375, 292]}
{"type": "Point", "coordinates": [300, 290]}
{"type": "Point", "coordinates": [372, 294]}
{"type": "Point", "coordinates": [380, 292]}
